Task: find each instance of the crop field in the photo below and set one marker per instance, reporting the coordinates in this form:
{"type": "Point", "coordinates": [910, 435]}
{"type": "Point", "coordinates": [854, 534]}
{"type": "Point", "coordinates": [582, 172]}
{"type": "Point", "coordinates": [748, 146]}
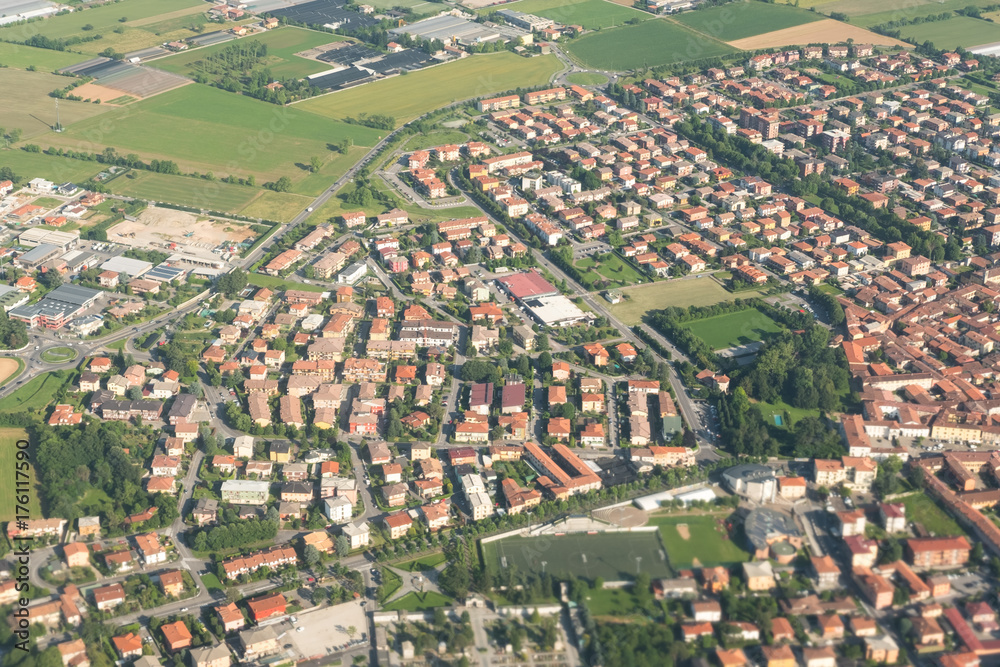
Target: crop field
{"type": "Point", "coordinates": [681, 293]}
{"type": "Point", "coordinates": [698, 540]}
{"type": "Point", "coordinates": [8, 459]}
{"type": "Point", "coordinates": [53, 168]}
{"type": "Point", "coordinates": [959, 31]}
{"type": "Point", "coordinates": [868, 13]}
{"type": "Point", "coordinates": [591, 14]}
{"type": "Point", "coordinates": [213, 196]}
{"type": "Point", "coordinates": [282, 45]}
{"type": "Point", "coordinates": [651, 43]}
{"type": "Point", "coordinates": [611, 556]}
{"type": "Point", "coordinates": [44, 60]}
{"type": "Point", "coordinates": [740, 328]}
{"type": "Point", "coordinates": [32, 109]}
{"type": "Point", "coordinates": [407, 96]}
{"type": "Point", "coordinates": [277, 206]}
{"type": "Point", "coordinates": [825, 31]}
{"type": "Point", "coordinates": [206, 129]}
{"type": "Point", "coordinates": [745, 19]}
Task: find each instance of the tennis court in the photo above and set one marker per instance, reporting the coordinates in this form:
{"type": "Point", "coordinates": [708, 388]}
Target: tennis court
{"type": "Point", "coordinates": [611, 556]}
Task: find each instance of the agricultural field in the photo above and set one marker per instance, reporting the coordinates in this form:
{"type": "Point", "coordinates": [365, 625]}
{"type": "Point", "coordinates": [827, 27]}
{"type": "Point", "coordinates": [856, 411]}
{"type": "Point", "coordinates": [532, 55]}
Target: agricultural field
{"type": "Point", "coordinates": [32, 109]}
{"type": "Point", "coordinates": [825, 31]}
{"type": "Point", "coordinates": [140, 24]}
{"type": "Point", "coordinates": [922, 509]}
{"type": "Point", "coordinates": [53, 168]}
{"type": "Point", "coordinates": [408, 96]}
{"type": "Point", "coordinates": [211, 195]}
{"type": "Point", "coordinates": [591, 14]}
{"type": "Point", "coordinates": [731, 329]}
{"type": "Point", "coordinates": [8, 459]}
{"type": "Point", "coordinates": [43, 60]}
{"type": "Point", "coordinates": [277, 206]}
{"type": "Point", "coordinates": [745, 19]}
{"type": "Point", "coordinates": [611, 556]}
{"type": "Point", "coordinates": [698, 540]}
{"type": "Point", "coordinates": [282, 45]}
{"type": "Point", "coordinates": [867, 13]}
{"type": "Point", "coordinates": [194, 127]}
{"type": "Point", "coordinates": [681, 293]}
{"type": "Point", "coordinates": [314, 183]}
{"type": "Point", "coordinates": [959, 31]}
{"type": "Point", "coordinates": [651, 43]}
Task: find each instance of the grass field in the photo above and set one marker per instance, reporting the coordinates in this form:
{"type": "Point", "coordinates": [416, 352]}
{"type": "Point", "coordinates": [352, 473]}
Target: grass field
{"type": "Point", "coordinates": [32, 109]}
{"type": "Point", "coordinates": [414, 601]}
{"type": "Point", "coordinates": [55, 169]}
{"type": "Point", "coordinates": [708, 543]}
{"type": "Point", "coordinates": [614, 269]}
{"type": "Point", "coordinates": [207, 129]}
{"type": "Point", "coordinates": [868, 13]}
{"type": "Point", "coordinates": [611, 556]}
{"type": "Point", "coordinates": [959, 31]}
{"type": "Point", "coordinates": [591, 14]}
{"type": "Point", "coordinates": [282, 45]}
{"type": "Point", "coordinates": [58, 355]}
{"type": "Point", "coordinates": [35, 394]}
{"type": "Point", "coordinates": [211, 195]}
{"type": "Point", "coordinates": [651, 43]}
{"type": "Point", "coordinates": [616, 602]}
{"type": "Point", "coordinates": [408, 96]}
{"type": "Point", "coordinates": [681, 293]}
{"type": "Point", "coordinates": [587, 79]}
{"type": "Point", "coordinates": [337, 205]}
{"type": "Point", "coordinates": [435, 138]}
{"type": "Point", "coordinates": [423, 563]}
{"type": "Point", "coordinates": [278, 206]}
{"type": "Point", "coordinates": [273, 282]}
{"type": "Point", "coordinates": [921, 508]}
{"type": "Point", "coordinates": [740, 328]}
{"type": "Point", "coordinates": [745, 19]}
{"type": "Point", "coordinates": [8, 460]}
{"type": "Point", "coordinates": [313, 184]}
{"type": "Point", "coordinates": [769, 410]}
{"type": "Point", "coordinates": [44, 60]}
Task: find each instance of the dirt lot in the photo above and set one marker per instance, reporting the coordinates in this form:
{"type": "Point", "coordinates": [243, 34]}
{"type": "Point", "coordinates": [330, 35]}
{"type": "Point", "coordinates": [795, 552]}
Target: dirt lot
{"type": "Point", "coordinates": [93, 91]}
{"type": "Point", "coordinates": [827, 31]}
{"type": "Point", "coordinates": [8, 367]}
{"type": "Point", "coordinates": [157, 225]}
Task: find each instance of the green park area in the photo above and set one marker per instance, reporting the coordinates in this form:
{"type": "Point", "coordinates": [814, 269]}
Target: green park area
{"type": "Point", "coordinates": [695, 540]}
{"type": "Point", "coordinates": [591, 14]}
{"type": "Point", "coordinates": [922, 509]}
{"type": "Point", "coordinates": [731, 329]}
{"type": "Point", "coordinates": [609, 268]}
{"type": "Point", "coordinates": [648, 44]}
{"type": "Point", "coordinates": [609, 556]}
{"type": "Point", "coordinates": [9, 437]}
{"type": "Point", "coordinates": [745, 19]}
{"type": "Point", "coordinates": [412, 95]}
{"type": "Point", "coordinates": [662, 294]}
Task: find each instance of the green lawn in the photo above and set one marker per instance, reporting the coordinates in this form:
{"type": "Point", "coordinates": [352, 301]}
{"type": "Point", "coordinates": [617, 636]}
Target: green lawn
{"type": "Point", "coordinates": [591, 14]}
{"type": "Point", "coordinates": [768, 410]}
{"type": "Point", "coordinates": [614, 269]}
{"type": "Point", "coordinates": [422, 563]}
{"type": "Point", "coordinates": [959, 31]}
{"type": "Point", "coordinates": [745, 19]}
{"type": "Point", "coordinates": [9, 489]}
{"type": "Point", "coordinates": [55, 169]}
{"type": "Point", "coordinates": [207, 129]}
{"type": "Point", "coordinates": [282, 45]}
{"type": "Point", "coordinates": [708, 544]}
{"type": "Point", "coordinates": [273, 282]}
{"type": "Point", "coordinates": [210, 195]}
{"type": "Point", "coordinates": [651, 43]}
{"type": "Point", "coordinates": [611, 556]}
{"type": "Point", "coordinates": [435, 138]}
{"type": "Point", "coordinates": [414, 601]}
{"type": "Point", "coordinates": [680, 293]}
{"type": "Point", "coordinates": [411, 95]}
{"type": "Point", "coordinates": [19, 56]}
{"type": "Point", "coordinates": [391, 582]}
{"type": "Point", "coordinates": [117, 345]}
{"type": "Point", "coordinates": [335, 164]}
{"type": "Point", "coordinates": [35, 394]}
{"type": "Point", "coordinates": [277, 206]}
{"type": "Point", "coordinates": [922, 509]}
{"type": "Point", "coordinates": [212, 582]}
{"type": "Point", "coordinates": [617, 602]}
{"type": "Point", "coordinates": [739, 328]}
{"type": "Point", "coordinates": [58, 355]}
{"type": "Point", "coordinates": [587, 79]}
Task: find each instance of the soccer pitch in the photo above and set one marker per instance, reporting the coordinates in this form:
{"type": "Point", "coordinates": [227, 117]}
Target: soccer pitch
{"type": "Point", "coordinates": [611, 556]}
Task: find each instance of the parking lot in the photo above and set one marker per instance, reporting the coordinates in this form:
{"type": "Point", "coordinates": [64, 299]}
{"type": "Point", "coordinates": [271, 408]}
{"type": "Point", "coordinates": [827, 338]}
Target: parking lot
{"type": "Point", "coordinates": [324, 632]}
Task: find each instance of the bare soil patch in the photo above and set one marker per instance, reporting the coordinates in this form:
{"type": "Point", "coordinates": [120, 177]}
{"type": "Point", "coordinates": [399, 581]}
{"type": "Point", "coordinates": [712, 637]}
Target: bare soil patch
{"type": "Point", "coordinates": [826, 31]}
{"type": "Point", "coordinates": [94, 91]}
{"type": "Point", "coordinates": [683, 531]}
{"type": "Point", "coordinates": [8, 367]}
{"type": "Point", "coordinates": [626, 517]}
{"type": "Point", "coordinates": [156, 225]}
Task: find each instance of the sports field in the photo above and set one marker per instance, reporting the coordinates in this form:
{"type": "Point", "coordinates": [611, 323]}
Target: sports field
{"type": "Point", "coordinates": [959, 31]}
{"type": "Point", "coordinates": [32, 109]}
{"type": "Point", "coordinates": [8, 490]}
{"type": "Point", "coordinates": [651, 43]}
{"type": "Point", "coordinates": [591, 14]}
{"type": "Point", "coordinates": [407, 96]}
{"type": "Point", "coordinates": [611, 556]}
{"type": "Point", "coordinates": [282, 45]}
{"type": "Point", "coordinates": [210, 195]}
{"type": "Point", "coordinates": [208, 129]}
{"type": "Point", "coordinates": [697, 540]}
{"type": "Point", "coordinates": [740, 328]}
{"type": "Point", "coordinates": [682, 293]}
{"type": "Point", "coordinates": [44, 60]}
{"type": "Point", "coordinates": [35, 394]}
{"type": "Point", "coordinates": [737, 20]}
